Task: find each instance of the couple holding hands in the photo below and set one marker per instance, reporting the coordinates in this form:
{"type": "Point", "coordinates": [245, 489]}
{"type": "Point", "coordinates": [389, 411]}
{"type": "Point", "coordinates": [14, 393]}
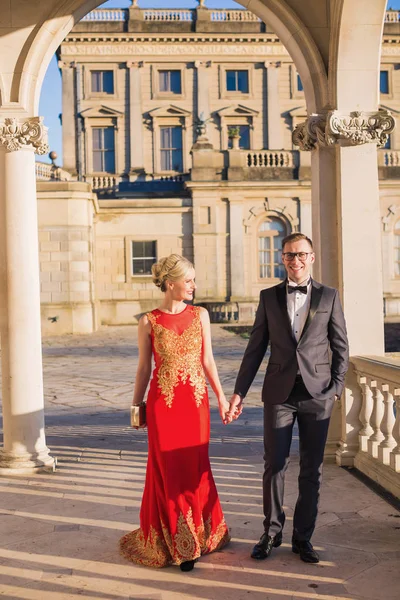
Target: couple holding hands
{"type": "Point", "coordinates": [302, 321]}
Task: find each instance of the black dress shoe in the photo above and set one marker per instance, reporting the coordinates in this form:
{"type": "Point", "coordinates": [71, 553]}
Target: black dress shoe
{"type": "Point", "coordinates": [264, 547]}
{"type": "Point", "coordinates": [186, 566]}
{"type": "Point", "coordinates": [306, 551]}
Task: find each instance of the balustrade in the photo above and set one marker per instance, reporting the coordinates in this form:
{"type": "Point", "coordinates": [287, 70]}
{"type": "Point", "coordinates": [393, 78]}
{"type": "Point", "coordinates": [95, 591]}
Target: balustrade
{"type": "Point", "coordinates": [270, 158]}
{"type": "Point", "coordinates": [392, 16]}
{"type": "Point", "coordinates": [100, 182]}
{"type": "Point", "coordinates": [115, 14]}
{"type": "Point", "coordinates": [389, 158]}
{"type": "Point", "coordinates": [379, 436]}
{"type": "Point", "coordinates": [168, 15]}
{"type": "Point", "coordinates": [234, 15]}
{"type": "Point", "coordinates": [48, 172]}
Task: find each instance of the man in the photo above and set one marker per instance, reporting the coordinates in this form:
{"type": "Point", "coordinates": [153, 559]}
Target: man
{"type": "Point", "coordinates": [303, 320]}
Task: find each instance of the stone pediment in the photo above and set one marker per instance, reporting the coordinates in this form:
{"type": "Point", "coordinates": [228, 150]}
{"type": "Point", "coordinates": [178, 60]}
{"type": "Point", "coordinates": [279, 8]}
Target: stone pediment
{"type": "Point", "coordinates": [169, 111]}
{"type": "Point", "coordinates": [237, 110]}
{"type": "Point", "coordinates": [101, 111]}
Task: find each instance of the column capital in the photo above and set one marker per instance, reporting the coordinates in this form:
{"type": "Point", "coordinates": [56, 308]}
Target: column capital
{"type": "Point", "coordinates": [24, 133]}
{"type": "Point", "coordinates": [352, 129]}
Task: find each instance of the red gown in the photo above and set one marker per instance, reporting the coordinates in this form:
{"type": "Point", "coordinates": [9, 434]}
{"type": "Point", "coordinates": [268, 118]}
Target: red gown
{"type": "Point", "coordinates": [180, 516]}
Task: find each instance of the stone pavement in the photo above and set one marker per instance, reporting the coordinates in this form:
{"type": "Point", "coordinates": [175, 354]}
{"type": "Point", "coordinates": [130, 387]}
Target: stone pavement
{"type": "Point", "coordinates": [59, 532]}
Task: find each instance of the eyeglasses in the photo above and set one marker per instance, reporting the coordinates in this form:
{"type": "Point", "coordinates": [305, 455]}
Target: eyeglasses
{"type": "Point", "coordinates": [292, 255]}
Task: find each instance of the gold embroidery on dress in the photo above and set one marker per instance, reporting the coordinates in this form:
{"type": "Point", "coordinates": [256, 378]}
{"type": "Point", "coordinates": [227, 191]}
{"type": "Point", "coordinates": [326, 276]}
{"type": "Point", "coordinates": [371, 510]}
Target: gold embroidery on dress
{"type": "Point", "coordinates": [180, 358]}
{"type": "Point", "coordinates": [161, 549]}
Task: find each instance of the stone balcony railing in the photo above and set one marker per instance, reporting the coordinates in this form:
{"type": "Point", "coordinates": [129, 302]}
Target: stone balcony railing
{"type": "Point", "coordinates": [262, 164]}
{"type": "Point", "coordinates": [103, 182]}
{"type": "Point", "coordinates": [378, 454]}
{"type": "Point", "coordinates": [201, 19]}
{"type": "Point", "coordinates": [49, 172]}
{"type": "Point", "coordinates": [392, 16]}
{"type": "Point", "coordinates": [389, 158]}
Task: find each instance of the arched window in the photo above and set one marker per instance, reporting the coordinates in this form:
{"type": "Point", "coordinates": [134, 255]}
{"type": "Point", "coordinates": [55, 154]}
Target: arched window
{"type": "Point", "coordinates": [270, 235]}
{"type": "Point", "coordinates": [397, 249]}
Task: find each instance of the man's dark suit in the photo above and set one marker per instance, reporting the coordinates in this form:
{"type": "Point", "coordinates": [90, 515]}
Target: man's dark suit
{"type": "Point", "coordinates": [301, 381]}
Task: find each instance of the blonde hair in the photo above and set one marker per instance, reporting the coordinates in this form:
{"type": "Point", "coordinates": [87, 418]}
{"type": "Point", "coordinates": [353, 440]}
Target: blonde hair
{"type": "Point", "coordinates": [173, 268]}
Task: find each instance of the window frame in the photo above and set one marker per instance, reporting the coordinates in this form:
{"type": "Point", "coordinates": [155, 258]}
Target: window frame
{"type": "Point", "coordinates": [224, 93]}
{"type": "Point", "coordinates": [294, 79]}
{"type": "Point", "coordinates": [92, 150]}
{"type": "Point", "coordinates": [129, 240]}
{"type": "Point", "coordinates": [157, 94]}
{"type": "Point", "coordinates": [170, 149]}
{"type": "Point", "coordinates": [87, 69]}
{"type": "Point", "coordinates": [390, 69]}
{"type": "Point", "coordinates": [265, 217]}
{"type": "Point", "coordinates": [102, 91]}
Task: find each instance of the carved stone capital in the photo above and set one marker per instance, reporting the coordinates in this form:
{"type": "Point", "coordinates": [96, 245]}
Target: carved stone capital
{"type": "Point", "coordinates": [22, 133]}
{"type": "Point", "coordinates": [348, 130]}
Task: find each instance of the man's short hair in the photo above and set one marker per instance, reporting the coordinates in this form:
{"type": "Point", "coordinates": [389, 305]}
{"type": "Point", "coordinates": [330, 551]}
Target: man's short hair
{"type": "Point", "coordinates": [296, 237]}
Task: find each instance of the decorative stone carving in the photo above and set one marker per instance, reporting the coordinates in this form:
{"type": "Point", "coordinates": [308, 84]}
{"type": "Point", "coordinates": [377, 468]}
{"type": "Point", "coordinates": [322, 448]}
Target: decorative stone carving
{"type": "Point", "coordinates": [351, 130]}
{"type": "Point", "coordinates": [19, 133]}
{"type": "Point", "coordinates": [171, 49]}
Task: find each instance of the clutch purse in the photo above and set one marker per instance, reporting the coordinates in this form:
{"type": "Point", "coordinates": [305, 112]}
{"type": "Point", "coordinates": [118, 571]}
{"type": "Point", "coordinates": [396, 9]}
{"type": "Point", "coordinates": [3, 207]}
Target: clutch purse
{"type": "Point", "coordinates": [138, 415]}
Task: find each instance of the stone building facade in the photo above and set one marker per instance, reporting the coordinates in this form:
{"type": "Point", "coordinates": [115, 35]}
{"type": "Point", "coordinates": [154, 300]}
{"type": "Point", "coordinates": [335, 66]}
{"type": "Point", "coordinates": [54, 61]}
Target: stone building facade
{"type": "Point", "coordinates": [177, 137]}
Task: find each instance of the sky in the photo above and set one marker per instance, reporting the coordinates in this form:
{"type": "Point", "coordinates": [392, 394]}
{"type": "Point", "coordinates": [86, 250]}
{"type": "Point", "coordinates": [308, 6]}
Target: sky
{"type": "Point", "coordinates": [50, 98]}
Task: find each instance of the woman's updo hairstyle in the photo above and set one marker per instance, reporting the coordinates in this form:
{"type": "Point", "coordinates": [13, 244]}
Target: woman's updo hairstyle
{"type": "Point", "coordinates": [170, 268]}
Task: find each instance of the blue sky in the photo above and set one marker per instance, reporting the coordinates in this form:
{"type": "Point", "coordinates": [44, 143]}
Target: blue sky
{"type": "Point", "coordinates": [50, 99]}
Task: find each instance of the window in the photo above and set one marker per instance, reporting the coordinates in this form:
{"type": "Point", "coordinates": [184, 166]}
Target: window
{"type": "Point", "coordinates": [103, 150]}
{"type": "Point", "coordinates": [143, 257]}
{"type": "Point", "coordinates": [397, 249]}
{"type": "Point", "coordinates": [170, 81]}
{"type": "Point", "coordinates": [388, 144]}
{"type": "Point", "coordinates": [103, 81]}
{"type": "Point", "coordinates": [270, 235]}
{"type": "Point", "coordinates": [244, 132]}
{"type": "Point", "coordinates": [237, 81]}
{"type": "Point", "coordinates": [299, 84]}
{"type": "Point", "coordinates": [384, 82]}
{"type": "Point", "coordinates": [171, 149]}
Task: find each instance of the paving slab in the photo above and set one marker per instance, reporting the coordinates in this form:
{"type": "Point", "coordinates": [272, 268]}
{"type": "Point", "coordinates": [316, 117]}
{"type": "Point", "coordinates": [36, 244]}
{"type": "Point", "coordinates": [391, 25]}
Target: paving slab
{"type": "Point", "coordinates": [59, 532]}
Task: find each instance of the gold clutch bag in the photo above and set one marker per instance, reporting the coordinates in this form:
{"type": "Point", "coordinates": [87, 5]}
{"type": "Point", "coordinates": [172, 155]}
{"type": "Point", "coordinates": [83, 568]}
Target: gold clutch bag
{"type": "Point", "coordinates": [138, 415]}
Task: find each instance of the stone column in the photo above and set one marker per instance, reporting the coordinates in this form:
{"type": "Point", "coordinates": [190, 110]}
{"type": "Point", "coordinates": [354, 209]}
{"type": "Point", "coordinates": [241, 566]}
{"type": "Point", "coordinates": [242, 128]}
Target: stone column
{"type": "Point", "coordinates": [274, 125]}
{"type": "Point", "coordinates": [236, 237]}
{"type": "Point", "coordinates": [24, 449]}
{"type": "Point", "coordinates": [347, 236]}
{"type": "Point", "coordinates": [135, 120]}
{"type": "Point", "coordinates": [68, 117]}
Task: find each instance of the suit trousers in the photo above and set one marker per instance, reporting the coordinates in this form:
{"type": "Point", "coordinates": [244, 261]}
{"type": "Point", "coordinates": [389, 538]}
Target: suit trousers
{"type": "Point", "coordinates": [313, 421]}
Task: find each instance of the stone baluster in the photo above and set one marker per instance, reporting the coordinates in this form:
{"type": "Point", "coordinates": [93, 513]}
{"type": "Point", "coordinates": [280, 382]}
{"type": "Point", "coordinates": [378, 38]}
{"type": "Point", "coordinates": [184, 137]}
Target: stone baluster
{"type": "Point", "coordinates": [395, 454]}
{"type": "Point", "coordinates": [365, 414]}
{"type": "Point", "coordinates": [387, 424]}
{"type": "Point", "coordinates": [376, 420]}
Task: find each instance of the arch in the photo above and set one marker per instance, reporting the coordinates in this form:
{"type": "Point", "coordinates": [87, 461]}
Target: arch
{"type": "Point", "coordinates": [355, 49]}
{"type": "Point", "coordinates": [41, 44]}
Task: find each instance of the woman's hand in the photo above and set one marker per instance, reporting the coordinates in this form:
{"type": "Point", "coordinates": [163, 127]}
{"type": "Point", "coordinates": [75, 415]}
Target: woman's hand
{"type": "Point", "coordinates": [224, 407]}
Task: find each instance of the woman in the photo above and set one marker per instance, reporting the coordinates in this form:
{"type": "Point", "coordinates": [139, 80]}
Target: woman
{"type": "Point", "coordinates": [180, 517]}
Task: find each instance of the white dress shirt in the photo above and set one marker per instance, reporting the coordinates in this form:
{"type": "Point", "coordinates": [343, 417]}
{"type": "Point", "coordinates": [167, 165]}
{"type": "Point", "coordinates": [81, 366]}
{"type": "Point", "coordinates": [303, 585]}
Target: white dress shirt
{"type": "Point", "coordinates": [298, 306]}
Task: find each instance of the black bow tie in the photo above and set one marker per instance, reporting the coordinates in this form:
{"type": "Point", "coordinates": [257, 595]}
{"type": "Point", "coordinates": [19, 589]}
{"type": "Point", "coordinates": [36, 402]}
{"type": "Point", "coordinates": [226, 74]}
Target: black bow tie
{"type": "Point", "coordinates": [300, 288]}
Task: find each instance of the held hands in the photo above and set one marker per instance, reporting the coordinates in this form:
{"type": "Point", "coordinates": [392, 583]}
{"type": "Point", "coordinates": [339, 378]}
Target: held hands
{"type": "Point", "coordinates": [236, 408]}
{"type": "Point", "coordinates": [224, 407]}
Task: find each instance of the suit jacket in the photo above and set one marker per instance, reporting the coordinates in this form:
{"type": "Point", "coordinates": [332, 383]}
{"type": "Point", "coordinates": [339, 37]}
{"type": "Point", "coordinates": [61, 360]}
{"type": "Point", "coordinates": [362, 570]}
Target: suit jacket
{"type": "Point", "coordinates": [321, 354]}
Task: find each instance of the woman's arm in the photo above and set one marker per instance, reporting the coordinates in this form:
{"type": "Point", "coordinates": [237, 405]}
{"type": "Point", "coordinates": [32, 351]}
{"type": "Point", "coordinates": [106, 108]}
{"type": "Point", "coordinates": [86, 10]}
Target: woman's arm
{"type": "Point", "coordinates": [144, 367]}
{"type": "Point", "coordinates": [210, 367]}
